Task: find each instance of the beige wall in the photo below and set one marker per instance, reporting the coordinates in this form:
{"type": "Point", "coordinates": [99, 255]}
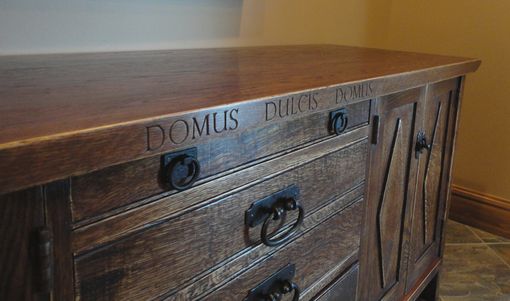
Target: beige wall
{"type": "Point", "coordinates": [53, 26]}
{"type": "Point", "coordinates": [465, 28]}
{"type": "Point", "coordinates": [468, 28]}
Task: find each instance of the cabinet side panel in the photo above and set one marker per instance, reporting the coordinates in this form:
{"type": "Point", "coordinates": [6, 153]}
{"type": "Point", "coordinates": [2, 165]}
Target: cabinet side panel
{"type": "Point", "coordinates": [21, 213]}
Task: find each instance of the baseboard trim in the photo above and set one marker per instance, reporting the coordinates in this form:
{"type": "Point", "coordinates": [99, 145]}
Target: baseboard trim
{"type": "Point", "coordinates": [480, 210]}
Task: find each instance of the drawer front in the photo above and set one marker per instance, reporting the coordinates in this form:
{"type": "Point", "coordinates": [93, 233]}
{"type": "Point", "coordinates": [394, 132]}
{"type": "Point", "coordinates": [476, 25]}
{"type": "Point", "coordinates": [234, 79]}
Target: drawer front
{"type": "Point", "coordinates": [342, 289]}
{"type": "Point", "coordinates": [166, 254]}
{"type": "Point", "coordinates": [330, 244]}
{"type": "Point", "coordinates": [117, 186]}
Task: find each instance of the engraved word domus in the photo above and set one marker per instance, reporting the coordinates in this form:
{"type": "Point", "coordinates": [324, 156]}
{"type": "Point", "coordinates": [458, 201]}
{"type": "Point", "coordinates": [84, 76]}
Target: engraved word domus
{"type": "Point", "coordinates": [292, 105]}
{"type": "Point", "coordinates": [354, 92]}
{"type": "Point", "coordinates": [183, 130]}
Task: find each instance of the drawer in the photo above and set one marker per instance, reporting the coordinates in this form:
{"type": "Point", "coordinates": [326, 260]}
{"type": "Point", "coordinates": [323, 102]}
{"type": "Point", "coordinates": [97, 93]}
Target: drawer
{"type": "Point", "coordinates": [342, 289]}
{"type": "Point", "coordinates": [118, 186]}
{"type": "Point", "coordinates": [334, 242]}
{"type": "Point", "coordinates": [165, 255]}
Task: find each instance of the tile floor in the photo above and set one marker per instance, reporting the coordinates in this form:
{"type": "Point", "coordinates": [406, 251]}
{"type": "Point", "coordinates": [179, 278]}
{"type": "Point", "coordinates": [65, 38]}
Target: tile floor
{"type": "Point", "coordinates": [476, 265]}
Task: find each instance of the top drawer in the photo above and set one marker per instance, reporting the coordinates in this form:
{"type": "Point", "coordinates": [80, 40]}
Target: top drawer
{"type": "Point", "coordinates": [118, 186]}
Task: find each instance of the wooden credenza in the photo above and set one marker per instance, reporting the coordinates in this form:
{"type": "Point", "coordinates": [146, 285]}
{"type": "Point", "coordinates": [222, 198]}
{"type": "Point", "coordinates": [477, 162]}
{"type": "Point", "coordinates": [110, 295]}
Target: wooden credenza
{"type": "Point", "coordinates": [315, 172]}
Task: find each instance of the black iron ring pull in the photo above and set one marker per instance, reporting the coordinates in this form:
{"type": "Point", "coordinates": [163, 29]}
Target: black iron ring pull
{"type": "Point", "coordinates": [183, 172]}
{"type": "Point", "coordinates": [340, 123]}
{"type": "Point", "coordinates": [287, 287]}
{"type": "Point", "coordinates": [277, 211]}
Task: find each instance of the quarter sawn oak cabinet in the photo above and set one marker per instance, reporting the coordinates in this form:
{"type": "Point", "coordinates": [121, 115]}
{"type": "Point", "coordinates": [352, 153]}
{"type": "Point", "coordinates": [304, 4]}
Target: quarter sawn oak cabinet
{"type": "Point", "coordinates": [315, 172]}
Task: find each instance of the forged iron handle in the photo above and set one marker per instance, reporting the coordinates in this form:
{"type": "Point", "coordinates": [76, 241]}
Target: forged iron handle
{"type": "Point", "coordinates": [276, 213]}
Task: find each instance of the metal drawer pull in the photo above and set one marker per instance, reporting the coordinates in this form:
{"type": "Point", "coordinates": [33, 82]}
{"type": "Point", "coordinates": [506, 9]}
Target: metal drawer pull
{"type": "Point", "coordinates": [277, 212]}
{"type": "Point", "coordinates": [277, 285]}
{"type": "Point", "coordinates": [338, 121]}
{"type": "Point", "coordinates": [182, 168]}
{"type": "Point", "coordinates": [274, 207]}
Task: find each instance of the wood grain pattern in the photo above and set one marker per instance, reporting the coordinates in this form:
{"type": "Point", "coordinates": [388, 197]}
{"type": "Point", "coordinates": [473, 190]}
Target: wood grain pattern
{"type": "Point", "coordinates": [433, 178]}
{"type": "Point", "coordinates": [111, 188]}
{"type": "Point", "coordinates": [21, 214]}
{"type": "Point", "coordinates": [117, 96]}
{"type": "Point", "coordinates": [137, 218]}
{"type": "Point", "coordinates": [58, 220]}
{"type": "Point", "coordinates": [389, 214]}
{"type": "Point", "coordinates": [389, 197]}
{"type": "Point", "coordinates": [205, 283]}
{"type": "Point", "coordinates": [143, 258]}
{"type": "Point", "coordinates": [340, 239]}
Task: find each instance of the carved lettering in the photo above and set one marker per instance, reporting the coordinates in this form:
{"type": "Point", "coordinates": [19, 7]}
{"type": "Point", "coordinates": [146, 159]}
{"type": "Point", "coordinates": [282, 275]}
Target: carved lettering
{"type": "Point", "coordinates": [179, 131]}
{"type": "Point", "coordinates": [234, 119]}
{"type": "Point", "coordinates": [185, 130]}
{"type": "Point", "coordinates": [200, 130]}
{"type": "Point", "coordinates": [155, 137]}
{"type": "Point", "coordinates": [270, 110]}
{"type": "Point", "coordinates": [354, 92]}
{"type": "Point", "coordinates": [293, 105]}
{"type": "Point", "coordinates": [215, 122]}
{"type": "Point", "coordinates": [281, 109]}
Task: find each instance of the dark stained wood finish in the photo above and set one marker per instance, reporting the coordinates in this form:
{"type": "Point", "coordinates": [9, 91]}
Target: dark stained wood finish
{"type": "Point", "coordinates": [136, 219]}
{"type": "Point", "coordinates": [144, 257]}
{"type": "Point", "coordinates": [433, 178]}
{"type": "Point", "coordinates": [425, 289]}
{"type": "Point", "coordinates": [110, 188]}
{"type": "Point", "coordinates": [82, 136]}
{"type": "Point", "coordinates": [390, 195]}
{"type": "Point", "coordinates": [339, 237]}
{"type": "Point", "coordinates": [208, 281]}
{"type": "Point", "coordinates": [343, 288]}
{"type": "Point", "coordinates": [104, 102]}
{"type": "Point", "coordinates": [58, 220]}
{"type": "Point", "coordinates": [21, 214]}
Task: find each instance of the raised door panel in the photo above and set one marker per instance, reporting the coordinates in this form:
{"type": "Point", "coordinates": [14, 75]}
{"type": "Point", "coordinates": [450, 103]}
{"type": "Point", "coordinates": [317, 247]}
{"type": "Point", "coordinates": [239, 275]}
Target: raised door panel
{"type": "Point", "coordinates": [432, 178]}
{"type": "Point", "coordinates": [389, 197]}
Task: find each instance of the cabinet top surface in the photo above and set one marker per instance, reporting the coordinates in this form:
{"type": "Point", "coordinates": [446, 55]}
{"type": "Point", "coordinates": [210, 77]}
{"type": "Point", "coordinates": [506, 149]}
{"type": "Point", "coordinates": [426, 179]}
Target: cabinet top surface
{"type": "Point", "coordinates": [50, 95]}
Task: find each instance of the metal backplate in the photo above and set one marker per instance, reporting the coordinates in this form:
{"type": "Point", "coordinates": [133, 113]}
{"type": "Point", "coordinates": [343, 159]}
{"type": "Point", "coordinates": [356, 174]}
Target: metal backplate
{"type": "Point", "coordinates": [260, 209]}
{"type": "Point", "coordinates": [167, 158]}
{"type": "Point", "coordinates": [272, 283]}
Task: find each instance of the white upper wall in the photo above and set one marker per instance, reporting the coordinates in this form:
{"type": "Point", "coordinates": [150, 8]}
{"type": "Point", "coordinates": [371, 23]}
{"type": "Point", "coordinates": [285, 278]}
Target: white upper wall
{"type": "Point", "coordinates": [54, 26]}
{"type": "Point", "coordinates": [49, 26]}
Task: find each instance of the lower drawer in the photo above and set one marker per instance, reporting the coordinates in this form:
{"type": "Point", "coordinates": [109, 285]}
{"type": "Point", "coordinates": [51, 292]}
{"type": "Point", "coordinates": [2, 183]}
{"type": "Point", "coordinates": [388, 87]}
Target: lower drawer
{"type": "Point", "coordinates": [343, 288]}
{"type": "Point", "coordinates": [333, 243]}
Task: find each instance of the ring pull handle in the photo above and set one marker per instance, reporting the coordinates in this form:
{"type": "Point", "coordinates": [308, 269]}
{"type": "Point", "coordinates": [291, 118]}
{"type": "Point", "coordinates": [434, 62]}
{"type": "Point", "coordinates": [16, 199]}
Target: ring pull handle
{"type": "Point", "coordinates": [421, 144]}
{"type": "Point", "coordinates": [339, 121]}
{"type": "Point", "coordinates": [276, 286]}
{"type": "Point", "coordinates": [182, 169]}
{"type": "Point", "coordinates": [274, 207]}
{"type": "Point", "coordinates": [277, 212]}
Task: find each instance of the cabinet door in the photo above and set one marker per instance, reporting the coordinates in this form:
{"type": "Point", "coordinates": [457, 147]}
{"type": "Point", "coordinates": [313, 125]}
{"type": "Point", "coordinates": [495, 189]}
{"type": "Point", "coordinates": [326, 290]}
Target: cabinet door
{"type": "Point", "coordinates": [389, 196]}
{"type": "Point", "coordinates": [433, 178]}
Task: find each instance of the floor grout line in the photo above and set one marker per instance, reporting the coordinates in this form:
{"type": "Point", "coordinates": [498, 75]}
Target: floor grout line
{"type": "Point", "coordinates": [491, 250]}
{"type": "Point", "coordinates": [472, 231]}
{"type": "Point", "coordinates": [507, 264]}
{"type": "Point", "coordinates": [499, 257]}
